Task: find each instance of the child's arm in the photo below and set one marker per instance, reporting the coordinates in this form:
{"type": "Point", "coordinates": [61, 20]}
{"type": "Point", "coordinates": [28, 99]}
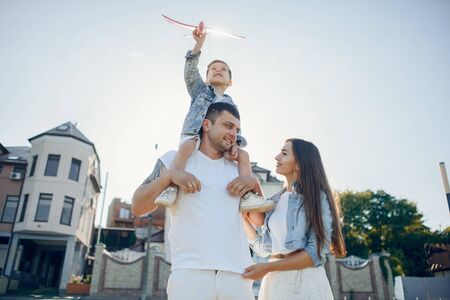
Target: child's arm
{"type": "Point", "coordinates": [192, 78]}
{"type": "Point", "coordinates": [199, 38]}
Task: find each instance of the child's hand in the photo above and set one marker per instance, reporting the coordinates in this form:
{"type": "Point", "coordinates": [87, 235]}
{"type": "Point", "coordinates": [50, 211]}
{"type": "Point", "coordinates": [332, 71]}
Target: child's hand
{"type": "Point", "coordinates": [201, 28]}
{"type": "Point", "coordinates": [199, 33]}
{"type": "Point", "coordinates": [242, 155]}
{"type": "Point", "coordinates": [232, 154]}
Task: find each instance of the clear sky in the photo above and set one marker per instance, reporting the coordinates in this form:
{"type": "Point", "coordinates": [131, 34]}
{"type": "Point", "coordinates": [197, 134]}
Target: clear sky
{"type": "Point", "coordinates": [367, 81]}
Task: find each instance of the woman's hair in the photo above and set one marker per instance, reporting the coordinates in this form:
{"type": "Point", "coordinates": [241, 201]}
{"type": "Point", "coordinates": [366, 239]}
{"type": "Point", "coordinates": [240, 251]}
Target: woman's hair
{"type": "Point", "coordinates": [311, 181]}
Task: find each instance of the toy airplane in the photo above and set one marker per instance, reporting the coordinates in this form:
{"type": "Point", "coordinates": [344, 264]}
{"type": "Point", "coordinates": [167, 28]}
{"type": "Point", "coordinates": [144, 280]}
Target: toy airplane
{"type": "Point", "coordinates": [201, 28]}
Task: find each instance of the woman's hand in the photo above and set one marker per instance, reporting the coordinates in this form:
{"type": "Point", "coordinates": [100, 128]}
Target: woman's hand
{"type": "Point", "coordinates": [256, 272]}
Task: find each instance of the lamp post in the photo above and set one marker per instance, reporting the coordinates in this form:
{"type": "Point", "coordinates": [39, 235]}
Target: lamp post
{"type": "Point", "coordinates": [101, 211]}
{"type": "Point", "coordinates": [445, 181]}
{"type": "Point", "coordinates": [147, 258]}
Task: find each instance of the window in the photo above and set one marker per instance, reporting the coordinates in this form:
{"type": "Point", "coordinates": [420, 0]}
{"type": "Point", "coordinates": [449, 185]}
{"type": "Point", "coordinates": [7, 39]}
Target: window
{"type": "Point", "coordinates": [124, 213]}
{"type": "Point", "coordinates": [66, 214]}
{"type": "Point", "coordinates": [52, 165]}
{"type": "Point", "coordinates": [24, 208]}
{"type": "Point", "coordinates": [33, 165]}
{"type": "Point", "coordinates": [20, 170]}
{"type": "Point", "coordinates": [43, 209]}
{"type": "Point", "coordinates": [74, 169]}
{"type": "Point", "coordinates": [9, 210]}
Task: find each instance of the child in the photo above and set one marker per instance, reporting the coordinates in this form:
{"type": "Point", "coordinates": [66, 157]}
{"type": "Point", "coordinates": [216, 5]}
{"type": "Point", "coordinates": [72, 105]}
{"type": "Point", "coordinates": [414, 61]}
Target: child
{"type": "Point", "coordinates": [218, 79]}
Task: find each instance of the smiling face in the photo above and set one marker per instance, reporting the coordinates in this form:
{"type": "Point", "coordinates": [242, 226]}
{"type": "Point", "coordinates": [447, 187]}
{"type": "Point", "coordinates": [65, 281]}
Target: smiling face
{"type": "Point", "coordinates": [218, 74]}
{"type": "Point", "coordinates": [286, 162]}
{"type": "Point", "coordinates": [222, 134]}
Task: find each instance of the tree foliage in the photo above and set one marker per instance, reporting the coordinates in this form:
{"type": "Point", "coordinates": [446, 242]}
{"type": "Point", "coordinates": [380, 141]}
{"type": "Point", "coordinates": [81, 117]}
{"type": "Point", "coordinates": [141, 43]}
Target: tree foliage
{"type": "Point", "coordinates": [375, 222]}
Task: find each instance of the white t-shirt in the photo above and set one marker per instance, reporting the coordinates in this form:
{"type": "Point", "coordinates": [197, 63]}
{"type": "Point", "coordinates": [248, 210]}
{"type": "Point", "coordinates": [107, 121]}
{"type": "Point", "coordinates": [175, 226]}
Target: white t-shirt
{"type": "Point", "coordinates": [207, 230]}
{"type": "Point", "coordinates": [278, 225]}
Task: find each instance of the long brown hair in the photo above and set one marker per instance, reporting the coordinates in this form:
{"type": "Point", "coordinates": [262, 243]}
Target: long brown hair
{"type": "Point", "coordinates": [311, 181]}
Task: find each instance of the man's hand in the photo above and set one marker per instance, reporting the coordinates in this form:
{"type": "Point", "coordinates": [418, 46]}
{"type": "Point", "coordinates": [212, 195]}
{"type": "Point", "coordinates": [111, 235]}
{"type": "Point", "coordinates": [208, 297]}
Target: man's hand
{"type": "Point", "coordinates": [256, 272]}
{"type": "Point", "coordinates": [187, 182]}
{"type": "Point", "coordinates": [241, 185]}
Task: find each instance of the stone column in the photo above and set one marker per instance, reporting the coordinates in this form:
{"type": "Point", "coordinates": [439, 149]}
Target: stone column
{"type": "Point", "coordinates": [13, 255]}
{"type": "Point", "coordinates": [378, 277]}
{"type": "Point", "coordinates": [96, 272]}
{"type": "Point", "coordinates": [390, 281]}
{"type": "Point", "coordinates": [68, 263]}
{"type": "Point", "coordinates": [334, 280]}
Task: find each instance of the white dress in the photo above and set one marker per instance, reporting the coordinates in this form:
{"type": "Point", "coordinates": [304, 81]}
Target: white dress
{"type": "Point", "coordinates": [306, 284]}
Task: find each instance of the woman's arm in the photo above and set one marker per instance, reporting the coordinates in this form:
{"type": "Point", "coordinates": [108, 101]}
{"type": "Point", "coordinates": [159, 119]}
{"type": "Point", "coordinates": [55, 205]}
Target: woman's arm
{"type": "Point", "coordinates": [300, 260]}
{"type": "Point", "coordinates": [312, 246]}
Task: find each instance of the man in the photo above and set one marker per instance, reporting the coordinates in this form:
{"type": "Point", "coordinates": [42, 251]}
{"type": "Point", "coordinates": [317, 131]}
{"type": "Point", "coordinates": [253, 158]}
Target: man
{"type": "Point", "coordinates": [209, 247]}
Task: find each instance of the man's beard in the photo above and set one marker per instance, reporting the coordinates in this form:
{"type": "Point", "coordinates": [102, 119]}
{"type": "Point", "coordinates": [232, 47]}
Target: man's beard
{"type": "Point", "coordinates": [217, 144]}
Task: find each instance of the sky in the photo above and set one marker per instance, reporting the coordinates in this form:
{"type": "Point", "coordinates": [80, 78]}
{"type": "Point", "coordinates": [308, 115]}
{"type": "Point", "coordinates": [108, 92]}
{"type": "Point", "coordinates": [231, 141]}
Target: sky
{"type": "Point", "coordinates": [367, 81]}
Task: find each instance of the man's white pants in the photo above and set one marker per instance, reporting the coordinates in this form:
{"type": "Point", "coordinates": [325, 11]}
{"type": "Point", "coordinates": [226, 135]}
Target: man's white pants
{"type": "Point", "coordinates": [197, 284]}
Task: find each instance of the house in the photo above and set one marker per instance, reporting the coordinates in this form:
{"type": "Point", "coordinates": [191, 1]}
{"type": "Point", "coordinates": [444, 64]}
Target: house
{"type": "Point", "coordinates": [56, 210]}
{"type": "Point", "coordinates": [124, 230]}
{"type": "Point", "coordinates": [13, 164]}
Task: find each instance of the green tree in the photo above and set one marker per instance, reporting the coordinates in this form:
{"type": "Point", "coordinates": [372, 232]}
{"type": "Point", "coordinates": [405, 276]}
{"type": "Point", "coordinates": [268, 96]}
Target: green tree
{"type": "Point", "coordinates": [375, 222]}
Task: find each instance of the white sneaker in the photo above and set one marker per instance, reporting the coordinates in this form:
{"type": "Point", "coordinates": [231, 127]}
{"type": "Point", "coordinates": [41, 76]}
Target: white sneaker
{"type": "Point", "coordinates": [254, 202]}
{"type": "Point", "coordinates": [167, 197]}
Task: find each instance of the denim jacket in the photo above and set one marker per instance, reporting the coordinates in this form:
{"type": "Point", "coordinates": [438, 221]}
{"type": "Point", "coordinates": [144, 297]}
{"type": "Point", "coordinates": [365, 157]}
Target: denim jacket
{"type": "Point", "coordinates": [298, 235]}
{"type": "Point", "coordinates": [202, 96]}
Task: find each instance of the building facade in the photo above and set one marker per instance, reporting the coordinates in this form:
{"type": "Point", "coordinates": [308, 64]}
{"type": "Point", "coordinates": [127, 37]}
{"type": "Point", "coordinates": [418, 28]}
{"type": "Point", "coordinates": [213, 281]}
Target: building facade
{"type": "Point", "coordinates": [119, 214]}
{"type": "Point", "coordinates": [13, 163]}
{"type": "Point", "coordinates": [56, 210]}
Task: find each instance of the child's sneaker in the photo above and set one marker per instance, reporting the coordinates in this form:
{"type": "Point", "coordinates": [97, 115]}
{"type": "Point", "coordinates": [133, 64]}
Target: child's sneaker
{"type": "Point", "coordinates": [253, 202]}
{"type": "Point", "coordinates": [167, 197]}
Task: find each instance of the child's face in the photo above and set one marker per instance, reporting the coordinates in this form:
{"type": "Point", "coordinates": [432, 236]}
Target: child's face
{"type": "Point", "coordinates": [218, 75]}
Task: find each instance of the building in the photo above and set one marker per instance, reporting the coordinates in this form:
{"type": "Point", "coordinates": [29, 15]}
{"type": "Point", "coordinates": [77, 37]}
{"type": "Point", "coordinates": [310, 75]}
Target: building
{"type": "Point", "coordinates": [436, 287]}
{"type": "Point", "coordinates": [438, 259]}
{"type": "Point", "coordinates": [13, 163]}
{"type": "Point", "coordinates": [413, 288]}
{"type": "Point", "coordinates": [269, 183]}
{"type": "Point", "coordinates": [124, 230]}
{"type": "Point", "coordinates": [56, 210]}
{"type": "Point", "coordinates": [119, 214]}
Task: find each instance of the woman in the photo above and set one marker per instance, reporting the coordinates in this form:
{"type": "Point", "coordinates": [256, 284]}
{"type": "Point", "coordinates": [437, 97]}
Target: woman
{"type": "Point", "coordinates": [298, 233]}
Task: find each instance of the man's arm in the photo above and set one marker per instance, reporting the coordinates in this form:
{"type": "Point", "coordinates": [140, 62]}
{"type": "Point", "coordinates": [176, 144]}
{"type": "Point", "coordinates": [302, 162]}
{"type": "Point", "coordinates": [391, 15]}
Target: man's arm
{"type": "Point", "coordinates": [145, 195]}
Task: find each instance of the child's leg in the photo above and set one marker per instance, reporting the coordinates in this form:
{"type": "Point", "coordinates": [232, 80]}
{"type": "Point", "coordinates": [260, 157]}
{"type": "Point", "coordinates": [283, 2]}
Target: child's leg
{"type": "Point", "coordinates": [245, 169]}
{"type": "Point", "coordinates": [185, 150]}
{"type": "Point", "coordinates": [251, 201]}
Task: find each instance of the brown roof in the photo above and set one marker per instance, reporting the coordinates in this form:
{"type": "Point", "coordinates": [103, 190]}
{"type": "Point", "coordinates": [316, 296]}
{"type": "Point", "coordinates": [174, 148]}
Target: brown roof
{"type": "Point", "coordinates": [438, 256]}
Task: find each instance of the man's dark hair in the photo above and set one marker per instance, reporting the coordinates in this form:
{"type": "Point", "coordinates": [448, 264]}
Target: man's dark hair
{"type": "Point", "coordinates": [220, 61]}
{"type": "Point", "coordinates": [214, 110]}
